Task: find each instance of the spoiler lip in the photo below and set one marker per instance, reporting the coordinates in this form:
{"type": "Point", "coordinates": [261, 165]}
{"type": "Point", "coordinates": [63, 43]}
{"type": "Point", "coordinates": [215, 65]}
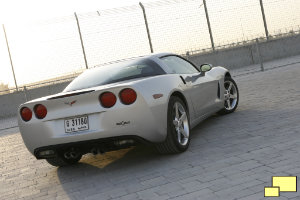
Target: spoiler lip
{"type": "Point", "coordinates": [70, 94]}
{"type": "Point", "coordinates": [127, 83]}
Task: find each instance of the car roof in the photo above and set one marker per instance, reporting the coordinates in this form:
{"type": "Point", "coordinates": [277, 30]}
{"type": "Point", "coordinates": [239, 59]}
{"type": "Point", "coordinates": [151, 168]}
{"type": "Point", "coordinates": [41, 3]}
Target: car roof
{"type": "Point", "coordinates": [149, 56]}
{"type": "Point", "coordinates": [159, 55]}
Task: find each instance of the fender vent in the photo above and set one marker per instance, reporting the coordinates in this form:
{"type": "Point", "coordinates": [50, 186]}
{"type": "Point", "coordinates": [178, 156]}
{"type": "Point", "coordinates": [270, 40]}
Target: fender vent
{"type": "Point", "coordinates": [182, 79]}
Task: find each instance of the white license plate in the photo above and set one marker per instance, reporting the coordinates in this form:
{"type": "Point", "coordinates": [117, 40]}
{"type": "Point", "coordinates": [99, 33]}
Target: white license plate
{"type": "Point", "coordinates": [76, 124]}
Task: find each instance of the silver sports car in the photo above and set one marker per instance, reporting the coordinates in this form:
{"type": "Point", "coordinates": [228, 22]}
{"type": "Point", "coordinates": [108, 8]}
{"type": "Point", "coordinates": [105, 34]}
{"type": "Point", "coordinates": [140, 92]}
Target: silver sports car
{"type": "Point", "coordinates": [154, 99]}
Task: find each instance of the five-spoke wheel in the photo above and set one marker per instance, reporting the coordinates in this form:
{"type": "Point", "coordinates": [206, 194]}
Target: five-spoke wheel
{"type": "Point", "coordinates": [231, 96]}
{"type": "Point", "coordinates": [178, 131]}
{"type": "Point", "coordinates": [181, 123]}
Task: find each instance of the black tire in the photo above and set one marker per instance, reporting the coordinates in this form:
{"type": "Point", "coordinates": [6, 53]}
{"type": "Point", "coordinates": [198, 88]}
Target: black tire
{"type": "Point", "coordinates": [60, 160]}
{"type": "Point", "coordinates": [226, 110]}
{"type": "Point", "coordinates": [171, 145]}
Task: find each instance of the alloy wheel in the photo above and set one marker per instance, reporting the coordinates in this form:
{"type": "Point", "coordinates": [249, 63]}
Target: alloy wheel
{"type": "Point", "coordinates": [181, 124]}
{"type": "Point", "coordinates": [230, 95]}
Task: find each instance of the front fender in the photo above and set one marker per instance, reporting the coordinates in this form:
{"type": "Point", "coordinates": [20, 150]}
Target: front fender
{"type": "Point", "coordinates": [218, 72]}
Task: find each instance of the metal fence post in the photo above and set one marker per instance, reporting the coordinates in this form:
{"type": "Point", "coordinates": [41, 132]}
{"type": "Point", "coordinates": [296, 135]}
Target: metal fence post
{"type": "Point", "coordinates": [82, 46]}
{"type": "Point", "coordinates": [259, 55]}
{"type": "Point", "coordinates": [209, 27]}
{"type": "Point", "coordinates": [147, 27]}
{"type": "Point", "coordinates": [264, 18]}
{"type": "Point", "coordinates": [187, 55]}
{"type": "Point", "coordinates": [25, 93]}
{"type": "Point", "coordinates": [11, 62]}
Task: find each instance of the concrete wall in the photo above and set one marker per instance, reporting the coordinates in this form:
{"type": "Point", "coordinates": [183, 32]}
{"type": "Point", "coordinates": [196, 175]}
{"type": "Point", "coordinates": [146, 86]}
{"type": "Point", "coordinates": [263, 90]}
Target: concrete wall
{"type": "Point", "coordinates": [247, 55]}
{"type": "Point", "coordinates": [9, 103]}
{"type": "Point", "coordinates": [230, 58]}
{"type": "Point", "coordinates": [46, 90]}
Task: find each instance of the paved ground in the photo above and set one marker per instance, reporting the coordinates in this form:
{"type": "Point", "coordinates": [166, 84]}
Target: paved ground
{"type": "Point", "coordinates": [230, 157]}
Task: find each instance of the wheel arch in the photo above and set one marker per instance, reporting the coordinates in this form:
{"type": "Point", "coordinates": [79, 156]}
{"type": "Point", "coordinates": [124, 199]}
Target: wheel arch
{"type": "Point", "coordinates": [181, 96]}
{"type": "Point", "coordinates": [227, 74]}
{"type": "Point", "coordinates": [219, 72]}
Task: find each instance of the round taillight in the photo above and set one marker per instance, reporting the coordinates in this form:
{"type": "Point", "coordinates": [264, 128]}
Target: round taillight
{"type": "Point", "coordinates": [40, 111]}
{"type": "Point", "coordinates": [128, 96]}
{"type": "Point", "coordinates": [107, 99]}
{"type": "Point", "coordinates": [26, 114]}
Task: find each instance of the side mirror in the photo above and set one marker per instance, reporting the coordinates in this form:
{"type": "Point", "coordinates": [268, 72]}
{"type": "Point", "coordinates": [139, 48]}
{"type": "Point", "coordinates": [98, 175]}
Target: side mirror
{"type": "Point", "coordinates": [205, 67]}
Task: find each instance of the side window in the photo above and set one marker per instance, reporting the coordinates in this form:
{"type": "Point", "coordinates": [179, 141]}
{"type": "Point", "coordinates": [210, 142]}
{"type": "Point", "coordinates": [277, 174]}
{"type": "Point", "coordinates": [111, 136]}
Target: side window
{"type": "Point", "coordinates": [177, 65]}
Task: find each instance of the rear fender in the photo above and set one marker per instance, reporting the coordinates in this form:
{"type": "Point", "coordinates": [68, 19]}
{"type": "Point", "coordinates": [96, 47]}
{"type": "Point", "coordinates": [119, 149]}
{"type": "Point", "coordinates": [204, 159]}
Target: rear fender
{"type": "Point", "coordinates": [157, 92]}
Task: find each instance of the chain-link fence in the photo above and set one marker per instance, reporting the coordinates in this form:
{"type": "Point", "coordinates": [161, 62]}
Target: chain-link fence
{"type": "Point", "coordinates": [53, 48]}
{"type": "Point", "coordinates": [57, 50]}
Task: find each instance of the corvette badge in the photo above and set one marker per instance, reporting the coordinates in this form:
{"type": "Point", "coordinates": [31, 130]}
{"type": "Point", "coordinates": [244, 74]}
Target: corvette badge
{"type": "Point", "coordinates": [70, 103]}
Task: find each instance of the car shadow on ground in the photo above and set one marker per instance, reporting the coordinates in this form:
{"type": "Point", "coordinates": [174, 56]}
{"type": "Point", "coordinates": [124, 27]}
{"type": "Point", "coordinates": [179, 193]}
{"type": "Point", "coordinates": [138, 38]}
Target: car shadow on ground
{"type": "Point", "coordinates": [102, 173]}
{"type": "Point", "coordinates": [217, 135]}
{"type": "Point", "coordinates": [132, 166]}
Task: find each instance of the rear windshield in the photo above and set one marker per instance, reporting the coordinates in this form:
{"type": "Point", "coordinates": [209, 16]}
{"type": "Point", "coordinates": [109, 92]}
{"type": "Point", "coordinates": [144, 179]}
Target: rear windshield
{"type": "Point", "coordinates": [113, 73]}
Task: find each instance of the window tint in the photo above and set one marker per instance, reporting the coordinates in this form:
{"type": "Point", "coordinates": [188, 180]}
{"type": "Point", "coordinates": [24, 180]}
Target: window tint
{"type": "Point", "coordinates": [178, 65]}
{"type": "Point", "coordinates": [115, 73]}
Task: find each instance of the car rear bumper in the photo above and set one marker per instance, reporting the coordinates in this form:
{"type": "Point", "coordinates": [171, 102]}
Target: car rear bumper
{"type": "Point", "coordinates": [90, 146]}
{"type": "Point", "coordinates": [127, 122]}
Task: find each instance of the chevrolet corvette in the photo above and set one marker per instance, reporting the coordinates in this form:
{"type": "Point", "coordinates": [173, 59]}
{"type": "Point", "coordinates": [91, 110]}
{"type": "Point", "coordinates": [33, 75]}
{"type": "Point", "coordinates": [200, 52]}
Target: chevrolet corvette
{"type": "Point", "coordinates": [155, 99]}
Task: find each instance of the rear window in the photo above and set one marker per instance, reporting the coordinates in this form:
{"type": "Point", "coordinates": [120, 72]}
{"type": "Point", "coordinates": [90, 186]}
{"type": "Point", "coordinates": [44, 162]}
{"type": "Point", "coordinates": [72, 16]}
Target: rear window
{"type": "Point", "coordinates": [116, 72]}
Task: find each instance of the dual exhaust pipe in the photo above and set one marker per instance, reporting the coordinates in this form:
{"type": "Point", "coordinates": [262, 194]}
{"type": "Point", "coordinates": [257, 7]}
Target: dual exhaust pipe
{"type": "Point", "coordinates": [96, 151]}
{"type": "Point", "coordinates": [72, 154]}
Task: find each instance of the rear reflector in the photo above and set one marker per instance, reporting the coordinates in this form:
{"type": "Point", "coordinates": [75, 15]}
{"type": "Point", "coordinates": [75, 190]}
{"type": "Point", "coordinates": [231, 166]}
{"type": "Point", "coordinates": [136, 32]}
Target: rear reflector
{"type": "Point", "coordinates": [26, 114]}
{"type": "Point", "coordinates": [128, 96]}
{"type": "Point", "coordinates": [46, 153]}
{"type": "Point", "coordinates": [107, 99]}
{"type": "Point", "coordinates": [40, 111]}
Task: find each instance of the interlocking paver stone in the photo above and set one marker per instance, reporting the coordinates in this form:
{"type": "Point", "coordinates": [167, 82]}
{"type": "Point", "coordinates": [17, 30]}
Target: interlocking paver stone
{"type": "Point", "coordinates": [230, 157]}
